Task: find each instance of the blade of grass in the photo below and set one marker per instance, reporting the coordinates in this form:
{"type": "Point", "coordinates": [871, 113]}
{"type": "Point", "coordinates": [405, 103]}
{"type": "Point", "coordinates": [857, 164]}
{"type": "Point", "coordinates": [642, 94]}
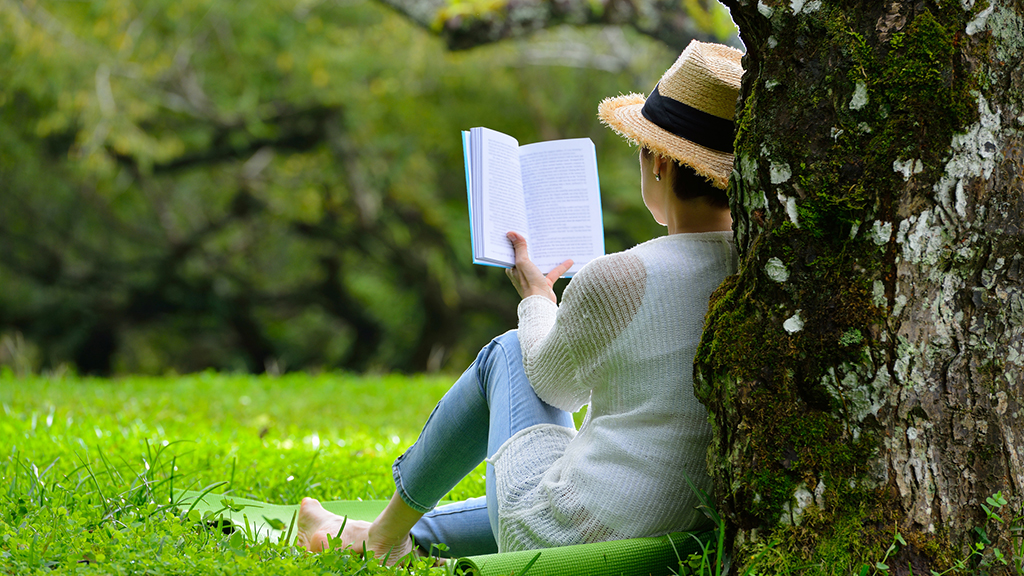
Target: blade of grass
{"type": "Point", "coordinates": [713, 514]}
{"type": "Point", "coordinates": [202, 494]}
{"type": "Point", "coordinates": [530, 564]}
{"type": "Point", "coordinates": [11, 491]}
{"type": "Point", "coordinates": [337, 536]}
{"type": "Point", "coordinates": [174, 461]}
{"type": "Point", "coordinates": [288, 536]}
{"type": "Point", "coordinates": [703, 550]}
{"type": "Point", "coordinates": [111, 472]}
{"type": "Point", "coordinates": [99, 491]}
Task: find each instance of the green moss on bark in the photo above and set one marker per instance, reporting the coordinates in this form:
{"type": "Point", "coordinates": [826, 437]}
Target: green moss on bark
{"type": "Point", "coordinates": [852, 530]}
{"type": "Point", "coordinates": [779, 380]}
{"type": "Point", "coordinates": [855, 112]}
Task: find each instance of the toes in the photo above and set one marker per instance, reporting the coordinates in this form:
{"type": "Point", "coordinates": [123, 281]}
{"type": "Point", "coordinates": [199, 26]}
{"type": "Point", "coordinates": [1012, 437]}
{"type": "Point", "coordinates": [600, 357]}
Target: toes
{"type": "Point", "coordinates": [319, 542]}
{"type": "Point", "coordinates": [310, 520]}
{"type": "Point", "coordinates": [311, 513]}
{"type": "Point", "coordinates": [310, 506]}
{"type": "Point", "coordinates": [316, 542]}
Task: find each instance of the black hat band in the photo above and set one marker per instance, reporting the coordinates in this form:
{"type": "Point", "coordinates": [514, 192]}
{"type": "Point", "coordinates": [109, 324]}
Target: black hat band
{"type": "Point", "coordinates": [688, 122]}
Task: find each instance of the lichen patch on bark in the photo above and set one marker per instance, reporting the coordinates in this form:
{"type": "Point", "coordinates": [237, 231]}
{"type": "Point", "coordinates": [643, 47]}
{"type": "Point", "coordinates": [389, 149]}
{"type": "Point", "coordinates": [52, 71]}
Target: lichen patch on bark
{"type": "Point", "coordinates": [879, 196]}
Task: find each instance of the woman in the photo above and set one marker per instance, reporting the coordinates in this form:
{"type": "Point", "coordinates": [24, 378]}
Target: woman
{"type": "Point", "coordinates": [623, 340]}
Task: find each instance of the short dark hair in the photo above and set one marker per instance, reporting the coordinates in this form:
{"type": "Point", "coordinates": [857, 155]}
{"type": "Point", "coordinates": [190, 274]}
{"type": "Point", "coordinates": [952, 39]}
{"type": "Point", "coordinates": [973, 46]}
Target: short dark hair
{"type": "Point", "coordinates": [689, 185]}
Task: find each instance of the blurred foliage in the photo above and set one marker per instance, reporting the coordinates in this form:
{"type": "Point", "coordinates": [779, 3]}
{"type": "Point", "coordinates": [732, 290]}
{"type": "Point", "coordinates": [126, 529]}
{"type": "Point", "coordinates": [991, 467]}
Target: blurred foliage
{"type": "Point", "coordinates": [273, 185]}
{"type": "Point", "coordinates": [466, 24]}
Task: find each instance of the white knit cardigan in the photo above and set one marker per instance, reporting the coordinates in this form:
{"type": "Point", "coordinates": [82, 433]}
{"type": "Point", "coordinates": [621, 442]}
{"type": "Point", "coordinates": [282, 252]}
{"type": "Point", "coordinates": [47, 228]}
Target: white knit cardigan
{"type": "Point", "coordinates": [623, 339]}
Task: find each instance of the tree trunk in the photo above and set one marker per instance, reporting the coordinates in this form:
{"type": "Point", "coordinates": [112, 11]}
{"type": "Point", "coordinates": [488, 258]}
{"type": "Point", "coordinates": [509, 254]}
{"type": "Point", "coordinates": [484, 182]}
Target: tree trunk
{"type": "Point", "coordinates": [863, 368]}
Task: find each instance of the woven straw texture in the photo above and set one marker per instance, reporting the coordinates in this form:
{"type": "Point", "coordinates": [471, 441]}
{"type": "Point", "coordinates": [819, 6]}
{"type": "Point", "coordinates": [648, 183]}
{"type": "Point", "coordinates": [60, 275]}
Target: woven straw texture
{"type": "Point", "coordinates": [706, 77]}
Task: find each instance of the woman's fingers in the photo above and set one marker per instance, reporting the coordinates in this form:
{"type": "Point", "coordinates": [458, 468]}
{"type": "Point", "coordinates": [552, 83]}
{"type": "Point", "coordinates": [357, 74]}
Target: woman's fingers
{"type": "Point", "coordinates": [518, 246]}
{"type": "Point", "coordinates": [527, 278]}
{"type": "Point", "coordinates": [559, 271]}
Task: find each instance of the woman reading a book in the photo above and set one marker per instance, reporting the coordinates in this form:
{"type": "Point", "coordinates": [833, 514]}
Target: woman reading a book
{"type": "Point", "coordinates": [622, 340]}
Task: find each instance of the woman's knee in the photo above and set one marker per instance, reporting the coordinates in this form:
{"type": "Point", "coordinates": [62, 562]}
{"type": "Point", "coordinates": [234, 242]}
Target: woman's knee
{"type": "Point", "coordinates": [510, 341]}
{"type": "Point", "coordinates": [500, 359]}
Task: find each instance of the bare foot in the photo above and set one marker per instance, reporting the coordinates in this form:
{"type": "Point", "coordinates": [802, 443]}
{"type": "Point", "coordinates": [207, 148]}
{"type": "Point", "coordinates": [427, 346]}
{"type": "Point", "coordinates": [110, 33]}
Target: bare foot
{"type": "Point", "coordinates": [316, 526]}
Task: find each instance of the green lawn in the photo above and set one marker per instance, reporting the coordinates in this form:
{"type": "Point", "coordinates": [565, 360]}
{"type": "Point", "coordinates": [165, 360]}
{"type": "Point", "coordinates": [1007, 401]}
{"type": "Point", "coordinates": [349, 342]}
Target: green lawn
{"type": "Point", "coordinates": [87, 466]}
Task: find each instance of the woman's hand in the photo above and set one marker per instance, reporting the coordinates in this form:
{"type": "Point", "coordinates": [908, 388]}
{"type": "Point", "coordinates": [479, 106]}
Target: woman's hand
{"type": "Point", "coordinates": [526, 277]}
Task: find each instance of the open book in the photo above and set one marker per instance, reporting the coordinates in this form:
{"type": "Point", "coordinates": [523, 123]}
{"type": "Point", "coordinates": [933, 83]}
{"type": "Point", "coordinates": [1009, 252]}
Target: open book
{"type": "Point", "coordinates": [547, 191]}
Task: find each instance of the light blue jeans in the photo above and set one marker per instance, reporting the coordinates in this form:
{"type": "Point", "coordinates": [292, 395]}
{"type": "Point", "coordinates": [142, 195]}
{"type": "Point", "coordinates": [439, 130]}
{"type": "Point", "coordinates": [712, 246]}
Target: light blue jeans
{"type": "Point", "coordinates": [490, 402]}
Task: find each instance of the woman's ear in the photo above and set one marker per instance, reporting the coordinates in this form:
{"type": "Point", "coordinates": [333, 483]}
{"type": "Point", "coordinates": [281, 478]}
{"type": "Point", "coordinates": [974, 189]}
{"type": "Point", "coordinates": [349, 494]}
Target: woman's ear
{"type": "Point", "coordinates": [652, 185]}
{"type": "Point", "coordinates": [662, 165]}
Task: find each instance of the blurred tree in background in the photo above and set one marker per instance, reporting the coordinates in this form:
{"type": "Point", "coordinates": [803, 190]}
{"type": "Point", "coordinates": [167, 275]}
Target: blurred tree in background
{"type": "Point", "coordinates": [276, 185]}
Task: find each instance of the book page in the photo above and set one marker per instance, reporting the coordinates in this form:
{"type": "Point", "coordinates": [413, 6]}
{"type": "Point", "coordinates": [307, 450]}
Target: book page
{"type": "Point", "coordinates": [501, 198]}
{"type": "Point", "coordinates": [563, 202]}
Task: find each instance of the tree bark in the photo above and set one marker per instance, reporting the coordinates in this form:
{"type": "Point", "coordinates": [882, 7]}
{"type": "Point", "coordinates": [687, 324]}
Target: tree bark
{"type": "Point", "coordinates": [863, 368]}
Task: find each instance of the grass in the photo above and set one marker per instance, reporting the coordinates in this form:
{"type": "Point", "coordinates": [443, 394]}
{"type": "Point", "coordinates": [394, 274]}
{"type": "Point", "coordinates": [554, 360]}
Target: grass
{"type": "Point", "coordinates": [87, 466]}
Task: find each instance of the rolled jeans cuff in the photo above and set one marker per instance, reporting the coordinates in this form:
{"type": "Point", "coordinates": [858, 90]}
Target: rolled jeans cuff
{"type": "Point", "coordinates": [403, 494]}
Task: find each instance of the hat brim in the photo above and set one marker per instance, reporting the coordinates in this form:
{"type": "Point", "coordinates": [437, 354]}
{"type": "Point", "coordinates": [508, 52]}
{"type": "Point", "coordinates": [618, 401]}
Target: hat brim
{"type": "Point", "coordinates": [622, 114]}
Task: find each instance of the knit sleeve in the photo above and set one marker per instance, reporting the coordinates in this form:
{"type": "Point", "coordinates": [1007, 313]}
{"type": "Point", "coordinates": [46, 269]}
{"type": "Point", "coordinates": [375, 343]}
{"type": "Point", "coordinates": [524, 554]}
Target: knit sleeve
{"type": "Point", "coordinates": [563, 346]}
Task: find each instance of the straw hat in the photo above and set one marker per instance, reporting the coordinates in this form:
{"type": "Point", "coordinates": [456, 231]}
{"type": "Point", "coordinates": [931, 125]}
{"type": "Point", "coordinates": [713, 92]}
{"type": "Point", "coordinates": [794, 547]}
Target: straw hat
{"type": "Point", "coordinates": [689, 114]}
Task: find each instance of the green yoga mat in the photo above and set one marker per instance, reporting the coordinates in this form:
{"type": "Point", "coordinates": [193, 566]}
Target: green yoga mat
{"type": "Point", "coordinates": [270, 520]}
{"type": "Point", "coordinates": [635, 557]}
